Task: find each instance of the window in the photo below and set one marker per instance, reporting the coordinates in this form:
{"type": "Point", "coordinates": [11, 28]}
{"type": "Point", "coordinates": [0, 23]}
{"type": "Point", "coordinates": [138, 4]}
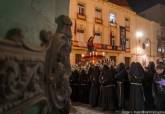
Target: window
{"type": "Point", "coordinates": [81, 9]}
{"type": "Point", "coordinates": [98, 13]}
{"type": "Point", "coordinates": [98, 16]}
{"type": "Point", "coordinates": [112, 38]}
{"type": "Point", "coordinates": [127, 24]}
{"type": "Point", "coordinates": [112, 18]}
{"type": "Point", "coordinates": [80, 29]}
{"type": "Point", "coordinates": [97, 37]}
{"type": "Point", "coordinates": [127, 43]}
{"type": "Point", "coordinates": [80, 34]}
{"type": "Point", "coordinates": [98, 34]}
{"type": "Point", "coordinates": [80, 39]}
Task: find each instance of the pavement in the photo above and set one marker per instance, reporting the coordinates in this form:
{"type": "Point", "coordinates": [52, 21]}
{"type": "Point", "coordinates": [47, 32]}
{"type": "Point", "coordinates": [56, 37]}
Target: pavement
{"type": "Point", "coordinates": [86, 109]}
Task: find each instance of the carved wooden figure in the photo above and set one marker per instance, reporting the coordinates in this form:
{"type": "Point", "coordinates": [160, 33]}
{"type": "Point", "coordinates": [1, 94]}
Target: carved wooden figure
{"type": "Point", "coordinates": [58, 67]}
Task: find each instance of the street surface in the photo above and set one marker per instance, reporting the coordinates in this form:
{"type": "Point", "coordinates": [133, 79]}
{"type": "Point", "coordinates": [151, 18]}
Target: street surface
{"type": "Point", "coordinates": [86, 109]}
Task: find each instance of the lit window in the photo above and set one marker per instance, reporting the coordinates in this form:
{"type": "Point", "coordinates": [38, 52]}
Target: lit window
{"type": "Point", "coordinates": [81, 9]}
{"type": "Point", "coordinates": [112, 18]}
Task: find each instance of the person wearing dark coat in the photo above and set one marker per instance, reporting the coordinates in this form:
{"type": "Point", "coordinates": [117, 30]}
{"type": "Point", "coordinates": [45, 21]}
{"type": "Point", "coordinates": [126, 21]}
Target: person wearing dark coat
{"type": "Point", "coordinates": [107, 90]}
{"type": "Point", "coordinates": [136, 98]}
{"type": "Point", "coordinates": [122, 86]}
{"type": "Point", "coordinates": [94, 89]}
{"type": "Point", "coordinates": [84, 88]}
{"type": "Point", "coordinates": [74, 82]}
{"type": "Point", "coordinates": [147, 85]}
{"type": "Point", "coordinates": [159, 89]}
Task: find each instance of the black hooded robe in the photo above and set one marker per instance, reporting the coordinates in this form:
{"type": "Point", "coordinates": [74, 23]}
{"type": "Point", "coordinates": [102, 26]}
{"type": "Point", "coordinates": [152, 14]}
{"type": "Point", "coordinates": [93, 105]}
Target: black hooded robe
{"type": "Point", "coordinates": [94, 89]}
{"type": "Point", "coordinates": [107, 92]}
{"type": "Point", "coordinates": [136, 98]}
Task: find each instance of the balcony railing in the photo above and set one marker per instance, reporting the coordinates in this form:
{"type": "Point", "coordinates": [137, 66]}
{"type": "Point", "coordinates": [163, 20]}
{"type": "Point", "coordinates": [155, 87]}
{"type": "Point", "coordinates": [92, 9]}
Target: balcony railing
{"type": "Point", "coordinates": [98, 20]}
{"type": "Point", "coordinates": [81, 16]}
{"type": "Point", "coordinates": [101, 46]}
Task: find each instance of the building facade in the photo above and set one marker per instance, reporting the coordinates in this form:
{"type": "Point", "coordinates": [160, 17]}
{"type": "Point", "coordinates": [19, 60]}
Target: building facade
{"type": "Point", "coordinates": [120, 34]}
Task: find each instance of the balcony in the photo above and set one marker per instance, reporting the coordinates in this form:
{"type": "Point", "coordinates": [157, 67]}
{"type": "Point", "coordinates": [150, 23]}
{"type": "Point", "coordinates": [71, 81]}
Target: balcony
{"type": "Point", "coordinates": [112, 24]}
{"type": "Point", "coordinates": [81, 16]}
{"type": "Point", "coordinates": [80, 30]}
{"type": "Point", "coordinates": [98, 20]}
{"type": "Point", "coordinates": [101, 46]}
{"type": "Point", "coordinates": [127, 28]}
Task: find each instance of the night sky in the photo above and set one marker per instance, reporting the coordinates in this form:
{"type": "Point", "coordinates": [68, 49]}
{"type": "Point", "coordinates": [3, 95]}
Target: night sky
{"type": "Point", "coordinates": [140, 5]}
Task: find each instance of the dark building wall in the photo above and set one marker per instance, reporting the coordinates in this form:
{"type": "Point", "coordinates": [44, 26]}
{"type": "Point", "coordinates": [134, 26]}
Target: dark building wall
{"type": "Point", "coordinates": [31, 16]}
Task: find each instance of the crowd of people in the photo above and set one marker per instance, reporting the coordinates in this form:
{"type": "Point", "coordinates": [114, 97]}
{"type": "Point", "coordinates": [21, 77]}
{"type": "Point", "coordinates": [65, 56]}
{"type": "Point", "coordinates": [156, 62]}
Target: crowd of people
{"type": "Point", "coordinates": [122, 87]}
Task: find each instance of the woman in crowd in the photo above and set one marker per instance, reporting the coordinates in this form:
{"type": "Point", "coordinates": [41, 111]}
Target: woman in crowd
{"type": "Point", "coordinates": [122, 86]}
{"type": "Point", "coordinates": [159, 88]}
{"type": "Point", "coordinates": [107, 91]}
{"type": "Point", "coordinates": [95, 86]}
{"type": "Point", "coordinates": [136, 76]}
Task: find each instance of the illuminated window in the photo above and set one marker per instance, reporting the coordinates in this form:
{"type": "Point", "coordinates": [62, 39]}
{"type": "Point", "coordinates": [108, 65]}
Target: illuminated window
{"type": "Point", "coordinates": [81, 9]}
{"type": "Point", "coordinates": [112, 18]}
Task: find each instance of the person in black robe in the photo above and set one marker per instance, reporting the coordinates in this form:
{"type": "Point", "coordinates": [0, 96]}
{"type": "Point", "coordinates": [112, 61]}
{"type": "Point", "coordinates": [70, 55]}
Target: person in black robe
{"type": "Point", "coordinates": [159, 89]}
{"type": "Point", "coordinates": [94, 89]}
{"type": "Point", "coordinates": [107, 91]}
{"type": "Point", "coordinates": [147, 85]}
{"type": "Point", "coordinates": [136, 98]}
{"type": "Point", "coordinates": [84, 89]}
{"type": "Point", "coordinates": [74, 82]}
{"type": "Point", "coordinates": [122, 86]}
